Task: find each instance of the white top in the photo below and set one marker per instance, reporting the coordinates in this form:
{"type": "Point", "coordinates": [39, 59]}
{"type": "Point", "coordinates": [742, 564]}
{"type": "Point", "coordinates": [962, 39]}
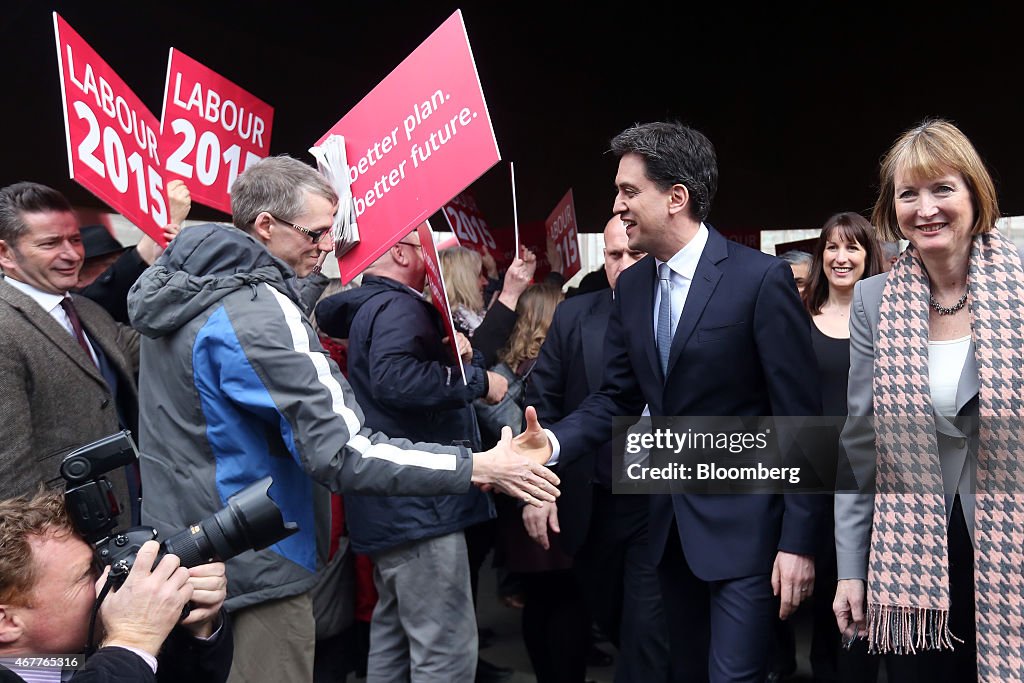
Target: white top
{"type": "Point", "coordinates": [946, 361]}
{"type": "Point", "coordinates": [682, 267]}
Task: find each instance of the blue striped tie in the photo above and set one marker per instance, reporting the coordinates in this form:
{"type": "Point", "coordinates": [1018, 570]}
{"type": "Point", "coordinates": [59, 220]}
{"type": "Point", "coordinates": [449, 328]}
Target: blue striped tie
{"type": "Point", "coordinates": [664, 317]}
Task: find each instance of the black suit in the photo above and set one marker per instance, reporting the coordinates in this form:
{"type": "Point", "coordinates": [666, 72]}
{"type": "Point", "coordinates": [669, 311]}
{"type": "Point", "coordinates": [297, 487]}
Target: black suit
{"type": "Point", "coordinates": [742, 347]}
{"type": "Point", "coordinates": [606, 534]}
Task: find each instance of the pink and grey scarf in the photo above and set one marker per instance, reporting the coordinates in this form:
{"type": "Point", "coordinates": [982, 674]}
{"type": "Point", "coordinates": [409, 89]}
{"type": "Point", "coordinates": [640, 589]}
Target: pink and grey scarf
{"type": "Point", "coordinates": [908, 584]}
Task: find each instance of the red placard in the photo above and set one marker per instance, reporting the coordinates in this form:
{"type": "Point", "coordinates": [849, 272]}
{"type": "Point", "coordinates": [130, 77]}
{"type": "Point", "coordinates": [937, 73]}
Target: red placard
{"type": "Point", "coordinates": [438, 294]}
{"type": "Point", "coordinates": [561, 230]}
{"type": "Point", "coordinates": [470, 227]}
{"type": "Point", "coordinates": [417, 140]}
{"type": "Point", "coordinates": [533, 236]}
{"type": "Point", "coordinates": [112, 138]}
{"type": "Point", "coordinates": [211, 130]}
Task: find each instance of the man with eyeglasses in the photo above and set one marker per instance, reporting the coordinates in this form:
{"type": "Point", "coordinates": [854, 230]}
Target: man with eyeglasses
{"type": "Point", "coordinates": [235, 386]}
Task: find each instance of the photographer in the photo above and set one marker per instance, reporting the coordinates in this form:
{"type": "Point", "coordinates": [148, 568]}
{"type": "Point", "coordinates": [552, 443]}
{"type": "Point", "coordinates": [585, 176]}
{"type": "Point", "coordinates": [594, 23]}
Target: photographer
{"type": "Point", "coordinates": [48, 585]}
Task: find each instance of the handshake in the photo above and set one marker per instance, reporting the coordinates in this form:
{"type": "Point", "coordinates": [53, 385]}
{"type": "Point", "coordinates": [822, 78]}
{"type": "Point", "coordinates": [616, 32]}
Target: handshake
{"type": "Point", "coordinates": [515, 466]}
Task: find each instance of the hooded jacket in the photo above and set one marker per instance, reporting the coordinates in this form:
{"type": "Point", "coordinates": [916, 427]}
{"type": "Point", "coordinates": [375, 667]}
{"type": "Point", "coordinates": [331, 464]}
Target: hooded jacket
{"type": "Point", "coordinates": [401, 374]}
{"type": "Point", "coordinates": [235, 386]}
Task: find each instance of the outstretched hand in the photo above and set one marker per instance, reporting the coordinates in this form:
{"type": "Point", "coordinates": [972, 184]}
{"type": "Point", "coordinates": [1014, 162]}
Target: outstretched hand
{"type": "Point", "coordinates": [533, 442]}
{"type": "Point", "coordinates": [514, 474]}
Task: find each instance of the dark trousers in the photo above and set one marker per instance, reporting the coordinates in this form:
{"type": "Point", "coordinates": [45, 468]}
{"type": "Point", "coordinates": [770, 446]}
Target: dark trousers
{"type": "Point", "coordinates": [961, 664]}
{"type": "Point", "coordinates": [556, 626]}
{"type": "Point", "coordinates": [621, 586]}
{"type": "Point", "coordinates": [719, 631]}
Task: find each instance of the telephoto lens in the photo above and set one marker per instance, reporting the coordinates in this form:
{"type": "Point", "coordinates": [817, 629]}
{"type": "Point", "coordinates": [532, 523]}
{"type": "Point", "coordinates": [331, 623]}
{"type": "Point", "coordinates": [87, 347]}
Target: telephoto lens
{"type": "Point", "coordinates": [250, 520]}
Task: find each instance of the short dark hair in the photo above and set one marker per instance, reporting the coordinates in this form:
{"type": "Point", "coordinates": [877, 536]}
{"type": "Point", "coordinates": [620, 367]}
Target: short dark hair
{"type": "Point", "coordinates": [674, 155]}
{"type": "Point", "coordinates": [848, 225]}
{"type": "Point", "coordinates": [24, 197]}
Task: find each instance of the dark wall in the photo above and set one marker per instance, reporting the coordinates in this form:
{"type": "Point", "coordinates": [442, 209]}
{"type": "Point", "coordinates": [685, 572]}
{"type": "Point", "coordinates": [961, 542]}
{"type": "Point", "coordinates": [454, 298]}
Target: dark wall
{"type": "Point", "coordinates": [800, 102]}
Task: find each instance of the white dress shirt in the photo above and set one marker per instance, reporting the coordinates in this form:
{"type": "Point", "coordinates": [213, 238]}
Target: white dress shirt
{"type": "Point", "coordinates": [51, 304]}
{"type": "Point", "coordinates": [682, 266]}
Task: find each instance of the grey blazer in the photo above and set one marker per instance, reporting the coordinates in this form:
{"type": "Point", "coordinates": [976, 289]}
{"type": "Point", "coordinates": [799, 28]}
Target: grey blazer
{"type": "Point", "coordinates": [957, 439]}
{"type": "Point", "coordinates": [53, 399]}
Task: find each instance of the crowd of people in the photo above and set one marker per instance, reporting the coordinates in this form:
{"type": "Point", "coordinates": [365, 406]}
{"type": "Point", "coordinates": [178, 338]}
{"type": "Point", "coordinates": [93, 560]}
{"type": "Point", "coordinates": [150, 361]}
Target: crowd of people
{"type": "Point", "coordinates": [229, 361]}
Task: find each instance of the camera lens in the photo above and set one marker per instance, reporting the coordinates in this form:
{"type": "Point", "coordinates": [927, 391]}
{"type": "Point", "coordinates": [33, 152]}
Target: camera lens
{"type": "Point", "coordinates": [250, 520]}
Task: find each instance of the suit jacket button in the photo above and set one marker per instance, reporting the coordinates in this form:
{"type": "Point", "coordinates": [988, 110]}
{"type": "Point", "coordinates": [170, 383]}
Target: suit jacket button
{"type": "Point", "coordinates": [104, 403]}
{"type": "Point", "coordinates": [961, 443]}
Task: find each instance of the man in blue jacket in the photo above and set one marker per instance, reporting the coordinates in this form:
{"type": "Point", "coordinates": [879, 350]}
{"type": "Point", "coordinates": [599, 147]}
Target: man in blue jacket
{"type": "Point", "coordinates": [234, 386]}
{"type": "Point", "coordinates": [405, 378]}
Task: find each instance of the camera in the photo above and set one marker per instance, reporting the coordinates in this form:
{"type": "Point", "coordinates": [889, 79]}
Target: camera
{"type": "Point", "coordinates": [249, 521]}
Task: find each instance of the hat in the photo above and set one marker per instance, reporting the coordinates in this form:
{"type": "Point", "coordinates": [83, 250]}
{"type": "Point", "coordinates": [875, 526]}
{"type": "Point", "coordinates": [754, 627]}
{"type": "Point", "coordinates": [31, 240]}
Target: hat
{"type": "Point", "coordinates": [98, 241]}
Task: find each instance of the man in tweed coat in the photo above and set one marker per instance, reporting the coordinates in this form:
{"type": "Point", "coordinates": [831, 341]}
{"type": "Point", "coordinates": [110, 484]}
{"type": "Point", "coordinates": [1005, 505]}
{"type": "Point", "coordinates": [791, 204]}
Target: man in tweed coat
{"type": "Point", "coordinates": [58, 389]}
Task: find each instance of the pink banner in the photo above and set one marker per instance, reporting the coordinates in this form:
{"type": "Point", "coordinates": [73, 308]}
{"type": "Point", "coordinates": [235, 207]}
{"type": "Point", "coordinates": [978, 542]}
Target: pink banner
{"type": "Point", "coordinates": [112, 138]}
{"type": "Point", "coordinates": [211, 130]}
{"type": "Point", "coordinates": [438, 294]}
{"type": "Point", "coordinates": [418, 139]}
{"type": "Point", "coordinates": [561, 230]}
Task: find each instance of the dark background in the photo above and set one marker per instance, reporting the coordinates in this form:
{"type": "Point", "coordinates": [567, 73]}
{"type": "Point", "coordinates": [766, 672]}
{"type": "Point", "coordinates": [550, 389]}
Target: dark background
{"type": "Point", "coordinates": [801, 101]}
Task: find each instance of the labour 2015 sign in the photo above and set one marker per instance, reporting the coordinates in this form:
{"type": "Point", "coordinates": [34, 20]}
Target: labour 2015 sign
{"type": "Point", "coordinates": [417, 140]}
{"type": "Point", "coordinates": [112, 138]}
{"type": "Point", "coordinates": [211, 130]}
{"type": "Point", "coordinates": [561, 229]}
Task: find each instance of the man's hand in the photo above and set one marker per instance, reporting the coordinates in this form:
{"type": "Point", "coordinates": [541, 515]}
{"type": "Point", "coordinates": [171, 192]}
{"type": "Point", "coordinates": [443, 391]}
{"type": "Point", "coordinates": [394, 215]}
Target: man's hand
{"type": "Point", "coordinates": [513, 474]}
{"type": "Point", "coordinates": [210, 589]}
{"type": "Point", "coordinates": [518, 278]}
{"type": "Point", "coordinates": [536, 520]}
{"type": "Point", "coordinates": [533, 442]}
{"type": "Point", "coordinates": [143, 611]}
{"type": "Point", "coordinates": [497, 387]}
{"type": "Point", "coordinates": [464, 346]}
{"type": "Point", "coordinates": [149, 250]}
{"type": "Point", "coordinates": [179, 199]}
{"type": "Point", "coordinates": [849, 609]}
{"type": "Point", "coordinates": [792, 580]}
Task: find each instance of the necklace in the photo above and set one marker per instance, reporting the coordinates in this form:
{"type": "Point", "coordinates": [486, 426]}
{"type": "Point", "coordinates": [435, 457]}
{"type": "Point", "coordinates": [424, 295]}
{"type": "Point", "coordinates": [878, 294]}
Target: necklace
{"type": "Point", "coordinates": [943, 310]}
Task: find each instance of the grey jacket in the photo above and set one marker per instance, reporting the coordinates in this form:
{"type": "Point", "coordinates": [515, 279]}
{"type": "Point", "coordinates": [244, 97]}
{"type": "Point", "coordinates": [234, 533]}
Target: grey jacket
{"type": "Point", "coordinates": [234, 387]}
{"type": "Point", "coordinates": [957, 439]}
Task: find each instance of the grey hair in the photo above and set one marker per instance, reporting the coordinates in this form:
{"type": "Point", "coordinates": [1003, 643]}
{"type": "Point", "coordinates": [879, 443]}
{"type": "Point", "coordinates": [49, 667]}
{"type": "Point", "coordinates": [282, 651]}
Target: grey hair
{"type": "Point", "coordinates": [674, 155]}
{"type": "Point", "coordinates": [890, 250]}
{"type": "Point", "coordinates": [275, 185]}
{"type": "Point", "coordinates": [21, 198]}
{"type": "Point", "coordinates": [795, 257]}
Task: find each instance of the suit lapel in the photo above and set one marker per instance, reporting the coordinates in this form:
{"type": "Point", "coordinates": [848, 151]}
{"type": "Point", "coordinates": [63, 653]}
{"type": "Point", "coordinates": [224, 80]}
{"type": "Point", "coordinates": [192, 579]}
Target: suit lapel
{"type": "Point", "coordinates": [50, 329]}
{"type": "Point", "coordinates": [641, 312]}
{"type": "Point", "coordinates": [592, 329]}
{"type": "Point", "coordinates": [705, 279]}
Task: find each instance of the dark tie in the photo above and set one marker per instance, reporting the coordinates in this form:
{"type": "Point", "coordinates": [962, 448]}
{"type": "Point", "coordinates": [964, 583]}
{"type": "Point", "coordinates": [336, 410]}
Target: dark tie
{"type": "Point", "coordinates": [76, 325]}
{"type": "Point", "coordinates": [664, 317]}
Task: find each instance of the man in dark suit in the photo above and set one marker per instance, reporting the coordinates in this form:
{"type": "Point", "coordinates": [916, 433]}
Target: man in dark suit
{"type": "Point", "coordinates": [67, 370]}
{"type": "Point", "coordinates": [606, 534]}
{"type": "Point", "coordinates": [702, 327]}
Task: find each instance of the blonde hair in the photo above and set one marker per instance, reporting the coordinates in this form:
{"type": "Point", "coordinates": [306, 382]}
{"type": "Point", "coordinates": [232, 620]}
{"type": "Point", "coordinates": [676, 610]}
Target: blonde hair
{"type": "Point", "coordinates": [929, 150]}
{"type": "Point", "coordinates": [535, 309]}
{"type": "Point", "coordinates": [461, 268]}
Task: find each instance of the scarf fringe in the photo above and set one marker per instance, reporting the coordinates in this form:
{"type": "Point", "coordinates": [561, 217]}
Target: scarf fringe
{"type": "Point", "coordinates": [905, 630]}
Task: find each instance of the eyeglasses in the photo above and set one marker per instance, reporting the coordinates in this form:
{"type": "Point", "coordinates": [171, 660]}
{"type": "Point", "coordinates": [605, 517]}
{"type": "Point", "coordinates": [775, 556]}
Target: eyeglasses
{"type": "Point", "coordinates": [314, 235]}
{"type": "Point", "coordinates": [410, 244]}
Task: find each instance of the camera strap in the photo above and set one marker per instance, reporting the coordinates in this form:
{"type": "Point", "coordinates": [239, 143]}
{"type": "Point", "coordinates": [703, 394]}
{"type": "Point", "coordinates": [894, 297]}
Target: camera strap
{"type": "Point", "coordinates": [91, 645]}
